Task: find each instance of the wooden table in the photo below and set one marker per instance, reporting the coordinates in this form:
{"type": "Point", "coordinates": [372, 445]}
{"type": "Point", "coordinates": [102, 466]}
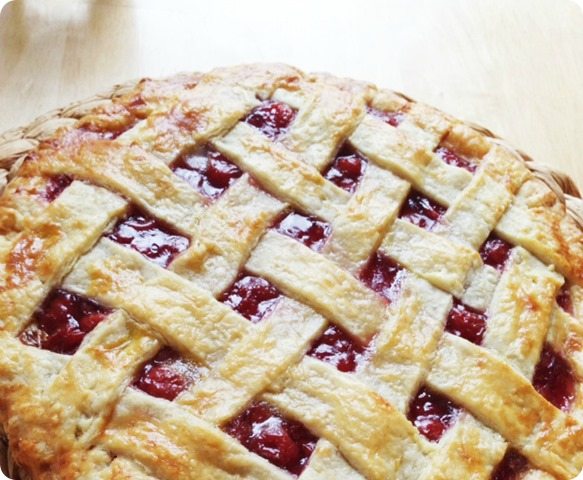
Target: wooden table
{"type": "Point", "coordinates": [513, 66]}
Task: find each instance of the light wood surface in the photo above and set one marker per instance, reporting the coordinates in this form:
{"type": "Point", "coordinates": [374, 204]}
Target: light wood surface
{"type": "Point", "coordinates": [515, 67]}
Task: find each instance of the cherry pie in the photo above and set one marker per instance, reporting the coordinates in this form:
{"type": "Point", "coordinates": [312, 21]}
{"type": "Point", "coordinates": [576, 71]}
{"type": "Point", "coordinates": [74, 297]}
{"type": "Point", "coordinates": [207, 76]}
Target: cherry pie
{"type": "Point", "coordinates": [259, 273]}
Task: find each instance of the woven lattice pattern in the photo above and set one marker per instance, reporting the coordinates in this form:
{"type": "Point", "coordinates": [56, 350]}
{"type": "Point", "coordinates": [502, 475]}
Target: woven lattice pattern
{"type": "Point", "coordinates": [383, 273]}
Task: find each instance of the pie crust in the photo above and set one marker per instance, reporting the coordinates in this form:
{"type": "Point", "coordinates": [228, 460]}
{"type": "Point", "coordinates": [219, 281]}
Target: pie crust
{"type": "Point", "coordinates": [260, 273]}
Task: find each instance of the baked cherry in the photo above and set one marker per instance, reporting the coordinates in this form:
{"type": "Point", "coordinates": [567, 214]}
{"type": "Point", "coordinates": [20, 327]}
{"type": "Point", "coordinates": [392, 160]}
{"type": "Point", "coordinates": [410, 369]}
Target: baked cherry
{"type": "Point", "coordinates": [166, 375]}
{"type": "Point", "coordinates": [272, 118]}
{"type": "Point", "coordinates": [62, 321]}
{"type": "Point", "coordinates": [55, 186]}
{"type": "Point", "coordinates": [421, 211]}
{"type": "Point", "coordinates": [263, 430]}
{"type": "Point", "coordinates": [338, 348]}
{"type": "Point", "coordinates": [495, 252]}
{"type": "Point", "coordinates": [466, 322]}
{"type": "Point", "coordinates": [554, 379]}
{"type": "Point", "coordinates": [383, 275]}
{"type": "Point", "coordinates": [452, 158]}
{"type": "Point", "coordinates": [207, 171]}
{"type": "Point", "coordinates": [432, 413]}
{"type": "Point", "coordinates": [565, 300]}
{"type": "Point", "coordinates": [152, 238]}
{"type": "Point", "coordinates": [253, 297]}
{"type": "Point", "coordinates": [347, 169]}
{"type": "Point", "coordinates": [392, 118]}
{"type": "Point", "coordinates": [511, 467]}
{"type": "Point", "coordinates": [306, 229]}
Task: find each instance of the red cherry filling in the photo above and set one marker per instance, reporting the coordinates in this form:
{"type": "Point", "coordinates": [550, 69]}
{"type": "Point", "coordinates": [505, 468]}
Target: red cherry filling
{"type": "Point", "coordinates": [383, 275]}
{"type": "Point", "coordinates": [55, 186]}
{"type": "Point", "coordinates": [495, 252]}
{"type": "Point", "coordinates": [392, 118]}
{"type": "Point", "coordinates": [253, 297]}
{"type": "Point", "coordinates": [264, 431]}
{"type": "Point", "coordinates": [306, 229]}
{"type": "Point", "coordinates": [554, 379]}
{"type": "Point", "coordinates": [452, 158]}
{"type": "Point", "coordinates": [432, 413]}
{"type": "Point", "coordinates": [347, 169]}
{"type": "Point", "coordinates": [271, 117]}
{"type": "Point", "coordinates": [62, 322]}
{"type": "Point", "coordinates": [421, 211]}
{"type": "Point", "coordinates": [207, 171]}
{"type": "Point", "coordinates": [512, 465]}
{"type": "Point", "coordinates": [466, 322]}
{"type": "Point", "coordinates": [338, 348]}
{"type": "Point", "coordinates": [564, 299]}
{"type": "Point", "coordinates": [167, 375]}
{"type": "Point", "coordinates": [153, 239]}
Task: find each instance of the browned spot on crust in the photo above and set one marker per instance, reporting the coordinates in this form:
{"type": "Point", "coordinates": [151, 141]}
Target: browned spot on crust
{"type": "Point", "coordinates": [23, 260]}
{"type": "Point", "coordinates": [184, 120]}
{"type": "Point", "coordinates": [114, 118]}
{"type": "Point", "coordinates": [28, 255]}
{"type": "Point", "coordinates": [573, 344]}
{"type": "Point", "coordinates": [137, 106]}
{"type": "Point", "coordinates": [101, 282]}
{"type": "Point", "coordinates": [532, 303]}
{"type": "Point", "coordinates": [41, 458]}
{"type": "Point", "coordinates": [8, 221]}
{"type": "Point", "coordinates": [139, 102]}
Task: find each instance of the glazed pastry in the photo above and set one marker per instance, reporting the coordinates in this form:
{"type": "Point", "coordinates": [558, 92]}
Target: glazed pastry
{"type": "Point", "coordinates": [264, 274]}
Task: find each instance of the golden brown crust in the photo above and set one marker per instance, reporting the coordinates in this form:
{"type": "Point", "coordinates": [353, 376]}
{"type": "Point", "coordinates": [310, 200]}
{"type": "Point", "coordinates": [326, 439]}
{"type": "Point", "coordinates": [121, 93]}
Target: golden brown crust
{"type": "Point", "coordinates": [75, 417]}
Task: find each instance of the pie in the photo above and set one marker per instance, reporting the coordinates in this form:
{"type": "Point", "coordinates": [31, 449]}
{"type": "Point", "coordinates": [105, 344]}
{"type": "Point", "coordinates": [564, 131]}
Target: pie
{"type": "Point", "coordinates": [264, 274]}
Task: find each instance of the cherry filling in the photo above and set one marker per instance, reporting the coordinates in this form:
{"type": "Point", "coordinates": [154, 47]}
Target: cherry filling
{"type": "Point", "coordinates": [432, 413]}
{"type": "Point", "coordinates": [55, 186]}
{"type": "Point", "coordinates": [554, 379]}
{"type": "Point", "coordinates": [167, 375]}
{"type": "Point", "coordinates": [253, 297]}
{"type": "Point", "coordinates": [153, 239]}
{"type": "Point", "coordinates": [466, 322]}
{"type": "Point", "coordinates": [495, 252]}
{"type": "Point", "coordinates": [272, 118]}
{"type": "Point", "coordinates": [564, 299]}
{"type": "Point", "coordinates": [421, 211]}
{"type": "Point", "coordinates": [452, 158]}
{"type": "Point", "coordinates": [383, 275]}
{"type": "Point", "coordinates": [306, 229]}
{"type": "Point", "coordinates": [207, 171]}
{"type": "Point", "coordinates": [392, 118]}
{"type": "Point", "coordinates": [62, 322]}
{"type": "Point", "coordinates": [338, 348]}
{"type": "Point", "coordinates": [347, 169]}
{"type": "Point", "coordinates": [512, 465]}
{"type": "Point", "coordinates": [264, 431]}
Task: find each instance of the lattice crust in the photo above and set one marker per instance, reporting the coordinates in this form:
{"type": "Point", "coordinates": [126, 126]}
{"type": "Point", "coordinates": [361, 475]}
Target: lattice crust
{"type": "Point", "coordinates": [78, 415]}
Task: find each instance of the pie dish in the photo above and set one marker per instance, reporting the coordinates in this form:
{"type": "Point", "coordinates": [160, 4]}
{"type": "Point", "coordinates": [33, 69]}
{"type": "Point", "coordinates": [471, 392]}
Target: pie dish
{"type": "Point", "coordinates": [260, 273]}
